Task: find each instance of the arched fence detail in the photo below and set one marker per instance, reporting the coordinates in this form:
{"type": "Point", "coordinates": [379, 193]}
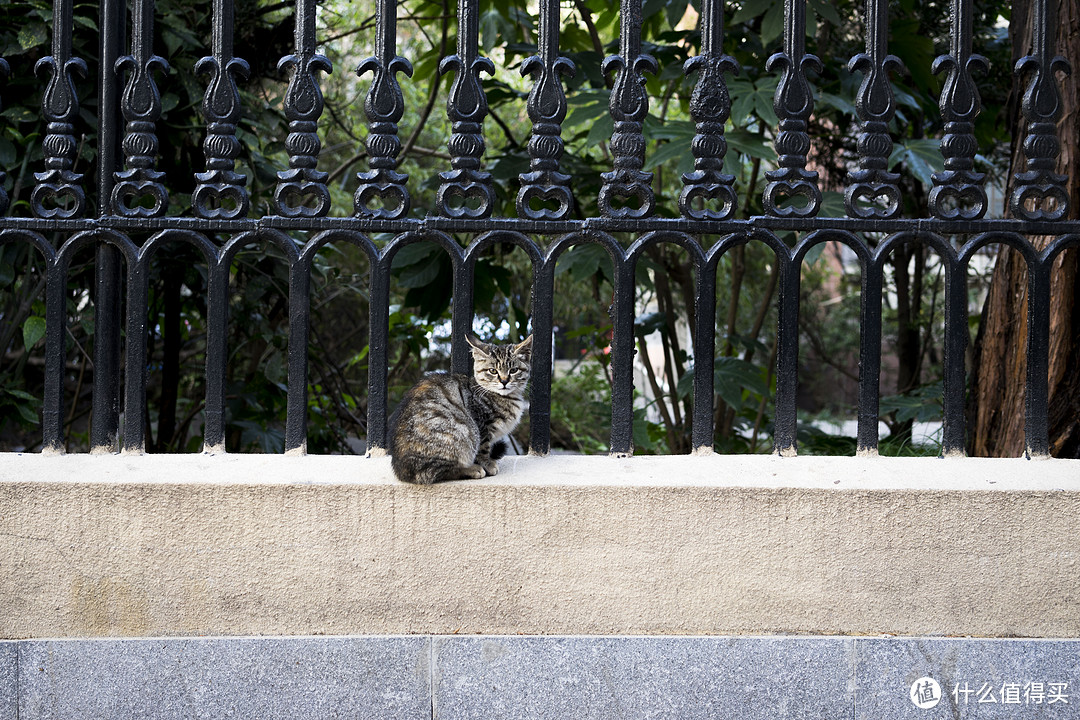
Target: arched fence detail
{"type": "Point", "coordinates": [126, 172]}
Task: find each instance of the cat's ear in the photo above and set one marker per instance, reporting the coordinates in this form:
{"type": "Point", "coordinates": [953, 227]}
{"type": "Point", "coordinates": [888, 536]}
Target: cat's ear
{"type": "Point", "coordinates": [524, 348]}
{"type": "Point", "coordinates": [479, 348]}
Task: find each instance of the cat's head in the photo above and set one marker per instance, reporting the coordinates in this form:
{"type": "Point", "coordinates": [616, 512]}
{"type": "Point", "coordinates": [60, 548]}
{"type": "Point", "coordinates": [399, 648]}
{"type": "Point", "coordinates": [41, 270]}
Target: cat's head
{"type": "Point", "coordinates": [502, 369]}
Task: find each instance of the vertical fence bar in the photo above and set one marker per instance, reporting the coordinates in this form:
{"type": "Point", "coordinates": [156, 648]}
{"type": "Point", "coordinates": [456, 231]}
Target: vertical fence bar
{"type": "Point", "coordinates": [547, 110]}
{"type": "Point", "coordinates": [299, 330]}
{"type": "Point", "coordinates": [217, 328]}
{"type": "Point", "coordinates": [954, 381]}
{"type": "Point", "coordinates": [466, 107]}
{"type": "Point", "coordinates": [105, 418]}
{"type": "Point", "coordinates": [384, 107]}
{"type": "Point", "coordinates": [378, 340]}
{"type": "Point", "coordinates": [543, 294]}
{"type": "Point", "coordinates": [1039, 185]}
{"type": "Point", "coordinates": [701, 428]}
{"type": "Point", "coordinates": [958, 191]}
{"type": "Point", "coordinates": [138, 283]}
{"type": "Point", "coordinates": [106, 386]}
{"type": "Point", "coordinates": [303, 106]}
{"type": "Point", "coordinates": [5, 70]}
{"type": "Point", "coordinates": [873, 192]}
{"type": "Point", "coordinates": [629, 107]}
{"type": "Point", "coordinates": [793, 103]}
{"type": "Point", "coordinates": [112, 21]}
{"type": "Point", "coordinates": [52, 411]}
{"type": "Point", "coordinates": [1036, 388]}
{"type": "Point", "coordinates": [60, 107]}
{"type": "Point", "coordinates": [461, 314]}
{"type": "Point", "coordinates": [787, 358]}
{"type": "Point", "coordinates": [622, 358]}
{"type": "Point", "coordinates": [869, 357]}
{"type": "Point", "coordinates": [221, 108]}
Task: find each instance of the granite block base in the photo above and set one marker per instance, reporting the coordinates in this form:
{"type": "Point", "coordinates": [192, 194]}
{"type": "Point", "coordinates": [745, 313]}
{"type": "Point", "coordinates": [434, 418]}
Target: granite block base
{"type": "Point", "coordinates": [543, 677]}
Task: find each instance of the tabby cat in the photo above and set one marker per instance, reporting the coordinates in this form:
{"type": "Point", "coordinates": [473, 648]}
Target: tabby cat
{"type": "Point", "coordinates": [448, 426]}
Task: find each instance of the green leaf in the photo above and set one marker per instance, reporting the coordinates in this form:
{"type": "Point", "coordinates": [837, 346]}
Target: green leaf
{"type": "Point", "coordinates": [584, 261]}
{"type": "Point", "coordinates": [649, 323]}
{"type": "Point", "coordinates": [836, 102]}
{"type": "Point", "coordinates": [751, 144]}
{"type": "Point", "coordinates": [489, 28]}
{"type": "Point", "coordinates": [751, 9]}
{"type": "Point", "coordinates": [732, 375]}
{"type": "Point", "coordinates": [675, 9]}
{"type": "Point", "coordinates": [600, 131]}
{"type": "Point", "coordinates": [772, 25]}
{"type": "Point", "coordinates": [420, 274]}
{"type": "Point", "coordinates": [922, 404]}
{"type": "Point", "coordinates": [7, 152]}
{"type": "Point", "coordinates": [827, 11]}
{"type": "Point", "coordinates": [651, 7]}
{"type": "Point", "coordinates": [168, 102]}
{"type": "Point", "coordinates": [32, 35]}
{"type": "Point", "coordinates": [666, 152]}
{"type": "Point", "coordinates": [358, 357]}
{"type": "Point", "coordinates": [27, 413]}
{"type": "Point", "coordinates": [86, 22]}
{"type": "Point", "coordinates": [922, 158]}
{"type": "Point", "coordinates": [814, 254]}
{"type": "Point", "coordinates": [586, 107]}
{"type": "Point", "coordinates": [33, 330]}
{"type": "Point", "coordinates": [21, 394]}
{"type": "Point", "coordinates": [274, 370]}
{"type": "Point", "coordinates": [832, 204]}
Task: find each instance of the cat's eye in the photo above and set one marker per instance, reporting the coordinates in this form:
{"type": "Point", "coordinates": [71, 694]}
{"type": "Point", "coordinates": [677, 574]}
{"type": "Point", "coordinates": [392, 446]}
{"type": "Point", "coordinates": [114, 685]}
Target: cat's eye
{"type": "Point", "coordinates": [513, 371]}
{"type": "Point", "coordinates": [492, 371]}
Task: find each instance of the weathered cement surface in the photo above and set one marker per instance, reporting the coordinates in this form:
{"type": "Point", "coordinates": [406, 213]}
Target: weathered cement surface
{"type": "Point", "coordinates": [258, 545]}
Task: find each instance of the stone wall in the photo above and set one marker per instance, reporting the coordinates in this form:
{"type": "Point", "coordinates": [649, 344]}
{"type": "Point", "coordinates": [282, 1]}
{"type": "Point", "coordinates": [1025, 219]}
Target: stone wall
{"type": "Point", "coordinates": [194, 545]}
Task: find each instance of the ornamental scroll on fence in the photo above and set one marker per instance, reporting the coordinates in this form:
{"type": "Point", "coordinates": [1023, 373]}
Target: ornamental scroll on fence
{"type": "Point", "coordinates": [136, 195]}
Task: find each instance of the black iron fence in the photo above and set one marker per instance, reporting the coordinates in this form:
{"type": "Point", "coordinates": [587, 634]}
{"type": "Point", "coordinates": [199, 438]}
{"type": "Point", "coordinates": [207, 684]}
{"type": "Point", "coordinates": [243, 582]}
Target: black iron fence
{"type": "Point", "coordinates": [134, 202]}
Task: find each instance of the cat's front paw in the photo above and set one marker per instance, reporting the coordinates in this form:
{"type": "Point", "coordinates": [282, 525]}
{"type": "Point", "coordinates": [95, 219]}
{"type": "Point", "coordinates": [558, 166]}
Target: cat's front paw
{"type": "Point", "coordinates": [490, 467]}
{"type": "Point", "coordinates": [475, 472]}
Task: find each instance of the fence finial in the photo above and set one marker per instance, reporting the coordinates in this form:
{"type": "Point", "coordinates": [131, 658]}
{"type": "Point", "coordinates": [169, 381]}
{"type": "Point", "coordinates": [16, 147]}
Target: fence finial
{"type": "Point", "coordinates": [958, 190]}
{"type": "Point", "coordinates": [710, 106]}
{"type": "Point", "coordinates": [141, 105]}
{"type": "Point", "coordinates": [547, 110]}
{"type": "Point", "coordinates": [466, 107]}
{"type": "Point", "coordinates": [303, 106]}
{"type": "Point", "coordinates": [60, 106]}
{"type": "Point", "coordinates": [629, 107]}
{"type": "Point", "coordinates": [1041, 105]}
{"type": "Point", "coordinates": [221, 106]}
{"type": "Point", "coordinates": [384, 107]}
{"type": "Point", "coordinates": [873, 192]}
{"type": "Point", "coordinates": [793, 103]}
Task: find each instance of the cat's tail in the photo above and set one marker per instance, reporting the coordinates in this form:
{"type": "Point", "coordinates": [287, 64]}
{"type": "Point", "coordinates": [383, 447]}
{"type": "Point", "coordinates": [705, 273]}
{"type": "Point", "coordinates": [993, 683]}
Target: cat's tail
{"type": "Point", "coordinates": [498, 450]}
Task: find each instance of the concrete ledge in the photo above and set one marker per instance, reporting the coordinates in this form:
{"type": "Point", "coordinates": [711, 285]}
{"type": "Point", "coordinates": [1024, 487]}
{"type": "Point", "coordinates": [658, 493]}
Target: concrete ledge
{"type": "Point", "coordinates": [269, 545]}
{"type": "Point", "coordinates": [544, 678]}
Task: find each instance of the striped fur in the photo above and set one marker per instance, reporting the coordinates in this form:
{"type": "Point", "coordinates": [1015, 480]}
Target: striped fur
{"type": "Point", "coordinates": [448, 427]}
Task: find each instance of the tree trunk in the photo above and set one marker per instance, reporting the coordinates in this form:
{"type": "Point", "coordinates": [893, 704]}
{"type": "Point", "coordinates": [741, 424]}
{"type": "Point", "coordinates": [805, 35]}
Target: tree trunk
{"type": "Point", "coordinates": [996, 402]}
